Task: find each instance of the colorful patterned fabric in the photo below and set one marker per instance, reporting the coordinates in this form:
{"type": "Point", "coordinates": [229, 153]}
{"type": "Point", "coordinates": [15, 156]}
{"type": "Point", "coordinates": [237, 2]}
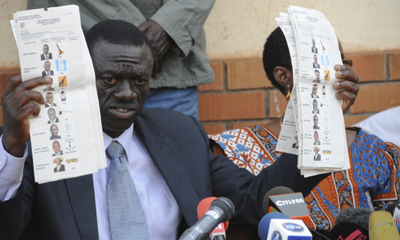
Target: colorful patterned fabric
{"type": "Point", "coordinates": [371, 182]}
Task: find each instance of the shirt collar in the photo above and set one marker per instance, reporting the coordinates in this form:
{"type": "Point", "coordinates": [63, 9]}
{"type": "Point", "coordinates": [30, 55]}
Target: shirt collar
{"type": "Point", "coordinates": [125, 139]}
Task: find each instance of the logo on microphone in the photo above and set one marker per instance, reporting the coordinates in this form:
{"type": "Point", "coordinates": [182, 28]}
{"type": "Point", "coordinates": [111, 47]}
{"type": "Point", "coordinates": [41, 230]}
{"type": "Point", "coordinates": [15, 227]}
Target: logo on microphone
{"type": "Point", "coordinates": [276, 235]}
{"type": "Point", "coordinates": [293, 227]}
{"type": "Point", "coordinates": [289, 202]}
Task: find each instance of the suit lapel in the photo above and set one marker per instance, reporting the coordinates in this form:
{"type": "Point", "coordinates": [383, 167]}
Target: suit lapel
{"type": "Point", "coordinates": [81, 196]}
{"type": "Point", "coordinates": [167, 156]}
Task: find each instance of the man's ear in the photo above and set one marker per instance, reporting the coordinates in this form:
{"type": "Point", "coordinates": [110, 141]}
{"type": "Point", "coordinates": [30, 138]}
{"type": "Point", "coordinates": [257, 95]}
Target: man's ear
{"type": "Point", "coordinates": [283, 76]}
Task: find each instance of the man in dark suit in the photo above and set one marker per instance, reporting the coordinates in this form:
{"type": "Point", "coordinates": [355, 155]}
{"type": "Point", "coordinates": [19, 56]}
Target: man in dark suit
{"type": "Point", "coordinates": [173, 146]}
{"type": "Point", "coordinates": [317, 156]}
{"type": "Point", "coordinates": [316, 138]}
{"type": "Point", "coordinates": [315, 107]}
{"type": "Point", "coordinates": [49, 100]}
{"type": "Point", "coordinates": [315, 63]}
{"type": "Point", "coordinates": [51, 113]}
{"type": "Point", "coordinates": [314, 92]}
{"type": "Point", "coordinates": [47, 71]}
{"type": "Point", "coordinates": [60, 167]}
{"type": "Point", "coordinates": [316, 122]}
{"type": "Point", "coordinates": [57, 149]}
{"type": "Point", "coordinates": [46, 54]}
{"type": "Point", "coordinates": [54, 132]}
{"type": "Point", "coordinates": [313, 48]}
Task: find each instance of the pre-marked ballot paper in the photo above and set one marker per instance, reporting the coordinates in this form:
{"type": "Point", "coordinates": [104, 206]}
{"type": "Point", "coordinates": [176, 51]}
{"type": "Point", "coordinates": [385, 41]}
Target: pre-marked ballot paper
{"type": "Point", "coordinates": [313, 126]}
{"type": "Point", "coordinates": [66, 137]}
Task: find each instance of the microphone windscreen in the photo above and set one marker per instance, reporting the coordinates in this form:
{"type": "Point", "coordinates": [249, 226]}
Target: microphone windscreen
{"type": "Point", "coordinates": [226, 205]}
{"type": "Point", "coordinates": [274, 191]}
{"type": "Point", "coordinates": [204, 206]}
{"type": "Point", "coordinates": [355, 215]}
{"type": "Point", "coordinates": [382, 226]}
{"type": "Point", "coordinates": [348, 231]}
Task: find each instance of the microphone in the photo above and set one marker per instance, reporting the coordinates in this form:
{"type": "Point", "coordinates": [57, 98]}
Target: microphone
{"type": "Point", "coordinates": [284, 200]}
{"type": "Point", "coordinates": [382, 226]}
{"type": "Point", "coordinates": [276, 225]}
{"type": "Point", "coordinates": [219, 233]}
{"type": "Point", "coordinates": [221, 210]}
{"type": "Point", "coordinates": [394, 209]}
{"type": "Point", "coordinates": [351, 223]}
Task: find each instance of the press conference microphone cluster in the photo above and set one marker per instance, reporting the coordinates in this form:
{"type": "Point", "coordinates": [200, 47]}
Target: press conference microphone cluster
{"type": "Point", "coordinates": [362, 224]}
{"type": "Point", "coordinates": [286, 215]}
{"type": "Point", "coordinates": [220, 210]}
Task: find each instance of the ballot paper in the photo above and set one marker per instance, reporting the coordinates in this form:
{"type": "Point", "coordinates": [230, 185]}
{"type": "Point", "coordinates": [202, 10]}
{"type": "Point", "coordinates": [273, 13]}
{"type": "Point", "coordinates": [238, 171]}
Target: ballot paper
{"type": "Point", "coordinates": [313, 126]}
{"type": "Point", "coordinates": [66, 137]}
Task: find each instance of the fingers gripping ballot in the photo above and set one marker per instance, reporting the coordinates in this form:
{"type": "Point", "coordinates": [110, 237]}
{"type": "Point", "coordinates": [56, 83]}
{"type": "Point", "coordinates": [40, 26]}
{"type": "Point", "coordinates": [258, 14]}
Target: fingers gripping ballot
{"type": "Point", "coordinates": [347, 86]}
{"type": "Point", "coordinates": [19, 102]}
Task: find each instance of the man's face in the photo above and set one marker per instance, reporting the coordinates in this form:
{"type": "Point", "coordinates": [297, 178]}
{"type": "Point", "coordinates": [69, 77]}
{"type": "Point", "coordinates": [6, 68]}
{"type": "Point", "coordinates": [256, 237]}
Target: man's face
{"type": "Point", "coordinates": [315, 105]}
{"type": "Point", "coordinates": [58, 162]}
{"type": "Point", "coordinates": [56, 147]}
{"type": "Point", "coordinates": [316, 151]}
{"type": "Point", "coordinates": [45, 49]}
{"type": "Point", "coordinates": [316, 136]}
{"type": "Point", "coordinates": [315, 58]}
{"type": "Point", "coordinates": [47, 66]}
{"type": "Point", "coordinates": [313, 43]}
{"type": "Point", "coordinates": [54, 130]}
{"type": "Point", "coordinates": [314, 89]}
{"type": "Point", "coordinates": [52, 114]}
{"type": "Point", "coordinates": [315, 120]}
{"type": "Point", "coordinates": [122, 81]}
{"type": "Point", "coordinates": [317, 75]}
{"type": "Point", "coordinates": [49, 98]}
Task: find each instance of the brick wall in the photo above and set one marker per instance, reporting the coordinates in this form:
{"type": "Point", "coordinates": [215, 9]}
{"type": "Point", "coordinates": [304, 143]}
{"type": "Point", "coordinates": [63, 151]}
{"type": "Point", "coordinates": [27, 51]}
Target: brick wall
{"type": "Point", "coordinates": [241, 94]}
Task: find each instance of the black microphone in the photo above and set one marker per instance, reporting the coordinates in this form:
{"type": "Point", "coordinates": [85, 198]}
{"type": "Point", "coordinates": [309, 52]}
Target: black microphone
{"type": "Point", "coordinates": [351, 223]}
{"type": "Point", "coordinates": [283, 199]}
{"type": "Point", "coordinates": [221, 210]}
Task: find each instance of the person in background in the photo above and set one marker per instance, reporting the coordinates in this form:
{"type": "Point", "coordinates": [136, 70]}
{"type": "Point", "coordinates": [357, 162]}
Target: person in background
{"type": "Point", "coordinates": [175, 30]}
{"type": "Point", "coordinates": [364, 185]}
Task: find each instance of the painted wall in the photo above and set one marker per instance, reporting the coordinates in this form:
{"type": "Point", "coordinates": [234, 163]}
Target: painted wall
{"type": "Point", "coordinates": [237, 29]}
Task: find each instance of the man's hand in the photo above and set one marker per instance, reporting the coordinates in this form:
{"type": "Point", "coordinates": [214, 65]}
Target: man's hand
{"type": "Point", "coordinates": [17, 107]}
{"type": "Point", "coordinates": [349, 88]}
{"type": "Point", "coordinates": [160, 40]}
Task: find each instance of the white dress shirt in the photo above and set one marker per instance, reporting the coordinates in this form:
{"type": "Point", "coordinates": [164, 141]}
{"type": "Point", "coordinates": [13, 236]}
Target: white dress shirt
{"type": "Point", "coordinates": [385, 125]}
{"type": "Point", "coordinates": [160, 208]}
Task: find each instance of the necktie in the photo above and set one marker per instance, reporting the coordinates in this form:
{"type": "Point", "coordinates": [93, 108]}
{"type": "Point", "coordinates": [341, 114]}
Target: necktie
{"type": "Point", "coordinates": [127, 220]}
